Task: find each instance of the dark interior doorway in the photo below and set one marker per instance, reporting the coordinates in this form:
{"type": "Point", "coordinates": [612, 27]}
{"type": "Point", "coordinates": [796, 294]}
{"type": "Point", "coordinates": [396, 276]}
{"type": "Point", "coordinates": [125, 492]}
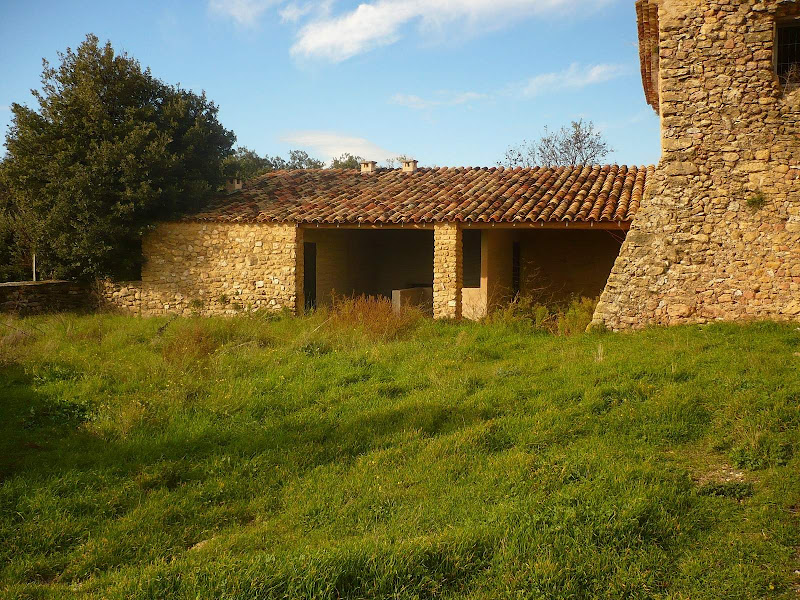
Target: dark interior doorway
{"type": "Point", "coordinates": [310, 275]}
{"type": "Point", "coordinates": [471, 245]}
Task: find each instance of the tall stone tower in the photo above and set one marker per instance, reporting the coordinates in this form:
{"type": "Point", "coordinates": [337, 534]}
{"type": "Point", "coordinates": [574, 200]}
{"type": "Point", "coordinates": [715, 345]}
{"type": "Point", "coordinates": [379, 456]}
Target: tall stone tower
{"type": "Point", "coordinates": [718, 232]}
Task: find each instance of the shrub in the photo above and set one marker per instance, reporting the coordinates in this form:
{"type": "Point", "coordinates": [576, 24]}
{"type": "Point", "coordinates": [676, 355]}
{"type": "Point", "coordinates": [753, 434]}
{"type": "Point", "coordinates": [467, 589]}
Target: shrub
{"type": "Point", "coordinates": [374, 315]}
{"type": "Point", "coordinates": [560, 318]}
{"type": "Point", "coordinates": [756, 201]}
{"type": "Point", "coordinates": [576, 317]}
{"type": "Point", "coordinates": [189, 343]}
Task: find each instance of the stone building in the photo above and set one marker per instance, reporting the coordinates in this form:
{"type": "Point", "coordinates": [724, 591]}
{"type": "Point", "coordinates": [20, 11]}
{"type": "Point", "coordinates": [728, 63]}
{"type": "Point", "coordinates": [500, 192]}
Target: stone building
{"type": "Point", "coordinates": [714, 229]}
{"type": "Point", "coordinates": [457, 239]}
{"type": "Point", "coordinates": [718, 232]}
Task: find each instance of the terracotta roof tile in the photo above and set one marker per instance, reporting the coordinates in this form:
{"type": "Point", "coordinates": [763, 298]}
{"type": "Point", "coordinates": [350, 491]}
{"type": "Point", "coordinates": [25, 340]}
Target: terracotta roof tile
{"type": "Point", "coordinates": [647, 20]}
{"type": "Point", "coordinates": [495, 195]}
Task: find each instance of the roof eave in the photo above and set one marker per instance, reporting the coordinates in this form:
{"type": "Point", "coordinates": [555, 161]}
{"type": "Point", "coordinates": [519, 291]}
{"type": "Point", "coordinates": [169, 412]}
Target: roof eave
{"type": "Point", "coordinates": [647, 21]}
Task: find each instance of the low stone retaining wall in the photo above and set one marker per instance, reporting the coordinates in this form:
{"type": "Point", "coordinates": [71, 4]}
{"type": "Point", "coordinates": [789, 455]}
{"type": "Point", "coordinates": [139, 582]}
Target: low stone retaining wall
{"type": "Point", "coordinates": [124, 296]}
{"type": "Point", "coordinates": [35, 297]}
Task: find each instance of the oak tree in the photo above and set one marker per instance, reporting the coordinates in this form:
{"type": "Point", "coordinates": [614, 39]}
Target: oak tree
{"type": "Point", "coordinates": [110, 150]}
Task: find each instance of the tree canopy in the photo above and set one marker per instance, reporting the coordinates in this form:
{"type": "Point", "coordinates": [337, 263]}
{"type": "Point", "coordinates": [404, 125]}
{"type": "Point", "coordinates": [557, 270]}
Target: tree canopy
{"type": "Point", "coordinates": [347, 161]}
{"type": "Point", "coordinates": [244, 163]}
{"type": "Point", "coordinates": [110, 150]}
{"type": "Point", "coordinates": [579, 143]}
{"type": "Point", "coordinates": [15, 262]}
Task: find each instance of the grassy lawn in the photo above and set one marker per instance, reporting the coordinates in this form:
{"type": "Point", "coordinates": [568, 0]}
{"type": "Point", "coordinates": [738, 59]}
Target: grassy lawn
{"type": "Point", "coordinates": [308, 458]}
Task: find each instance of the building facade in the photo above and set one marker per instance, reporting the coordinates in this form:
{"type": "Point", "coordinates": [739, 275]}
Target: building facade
{"type": "Point", "coordinates": [712, 233]}
{"type": "Point", "coordinates": [460, 240]}
{"type": "Point", "coordinates": [718, 233]}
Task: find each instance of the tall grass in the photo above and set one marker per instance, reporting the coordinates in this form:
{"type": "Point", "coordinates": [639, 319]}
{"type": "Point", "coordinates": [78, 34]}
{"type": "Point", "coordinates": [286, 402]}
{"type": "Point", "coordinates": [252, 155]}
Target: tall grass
{"type": "Point", "coordinates": [275, 457]}
{"type": "Point", "coordinates": [569, 317]}
{"type": "Point", "coordinates": [373, 315]}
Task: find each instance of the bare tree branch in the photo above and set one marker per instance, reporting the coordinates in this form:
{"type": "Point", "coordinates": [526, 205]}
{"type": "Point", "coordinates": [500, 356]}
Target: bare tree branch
{"type": "Point", "coordinates": [576, 144]}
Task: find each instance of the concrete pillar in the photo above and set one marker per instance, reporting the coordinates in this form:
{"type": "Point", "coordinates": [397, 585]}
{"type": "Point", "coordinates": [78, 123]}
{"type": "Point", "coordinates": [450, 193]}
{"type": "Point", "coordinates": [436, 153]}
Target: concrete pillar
{"type": "Point", "coordinates": [448, 260]}
{"type": "Point", "coordinates": [496, 267]}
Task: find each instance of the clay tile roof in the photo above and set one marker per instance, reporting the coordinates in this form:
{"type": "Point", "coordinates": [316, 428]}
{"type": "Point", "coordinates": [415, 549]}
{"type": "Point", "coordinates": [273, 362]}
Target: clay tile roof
{"type": "Point", "coordinates": [647, 19]}
{"type": "Point", "coordinates": [579, 194]}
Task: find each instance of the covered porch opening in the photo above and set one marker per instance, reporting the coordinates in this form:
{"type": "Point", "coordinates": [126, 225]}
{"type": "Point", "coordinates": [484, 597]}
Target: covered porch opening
{"type": "Point", "coordinates": [546, 264]}
{"type": "Point", "coordinates": [379, 261]}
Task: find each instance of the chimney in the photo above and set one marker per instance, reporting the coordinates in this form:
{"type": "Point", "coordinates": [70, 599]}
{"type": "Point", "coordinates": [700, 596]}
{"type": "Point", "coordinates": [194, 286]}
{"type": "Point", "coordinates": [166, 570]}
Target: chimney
{"type": "Point", "coordinates": [368, 166]}
{"type": "Point", "coordinates": [232, 185]}
{"type": "Point", "coordinates": [410, 166]}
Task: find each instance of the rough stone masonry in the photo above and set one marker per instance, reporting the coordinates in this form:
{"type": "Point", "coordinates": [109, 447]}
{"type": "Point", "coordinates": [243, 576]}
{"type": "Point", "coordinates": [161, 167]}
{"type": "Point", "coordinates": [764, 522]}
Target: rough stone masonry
{"type": "Point", "coordinates": [448, 258]}
{"type": "Point", "coordinates": [718, 233]}
{"type": "Point", "coordinates": [215, 269]}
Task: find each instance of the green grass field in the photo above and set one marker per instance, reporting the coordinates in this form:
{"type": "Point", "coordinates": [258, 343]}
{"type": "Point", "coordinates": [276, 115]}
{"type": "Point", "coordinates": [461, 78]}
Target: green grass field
{"type": "Point", "coordinates": [311, 458]}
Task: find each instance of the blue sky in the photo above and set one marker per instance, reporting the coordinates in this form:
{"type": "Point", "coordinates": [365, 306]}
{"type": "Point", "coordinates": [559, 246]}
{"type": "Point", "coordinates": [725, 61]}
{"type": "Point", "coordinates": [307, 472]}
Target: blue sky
{"type": "Point", "coordinates": [449, 82]}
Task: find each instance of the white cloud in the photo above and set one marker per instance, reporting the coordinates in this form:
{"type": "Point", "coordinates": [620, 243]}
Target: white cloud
{"type": "Point", "coordinates": [379, 23]}
{"type": "Point", "coordinates": [330, 145]}
{"type": "Point", "coordinates": [573, 78]}
{"type": "Point", "coordinates": [293, 12]}
{"type": "Point", "coordinates": [439, 99]}
{"type": "Point", "coordinates": [245, 13]}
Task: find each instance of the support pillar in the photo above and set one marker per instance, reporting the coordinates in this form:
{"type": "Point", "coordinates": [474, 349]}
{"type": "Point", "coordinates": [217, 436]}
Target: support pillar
{"type": "Point", "coordinates": [297, 296]}
{"type": "Point", "coordinates": [496, 267]}
{"type": "Point", "coordinates": [448, 261]}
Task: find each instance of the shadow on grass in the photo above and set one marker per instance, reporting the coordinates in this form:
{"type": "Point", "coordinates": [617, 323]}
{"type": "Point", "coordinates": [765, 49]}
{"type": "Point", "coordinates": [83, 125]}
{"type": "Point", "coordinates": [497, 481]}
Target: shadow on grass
{"type": "Point", "coordinates": [76, 499]}
{"type": "Point", "coordinates": [35, 427]}
{"type": "Point", "coordinates": [31, 422]}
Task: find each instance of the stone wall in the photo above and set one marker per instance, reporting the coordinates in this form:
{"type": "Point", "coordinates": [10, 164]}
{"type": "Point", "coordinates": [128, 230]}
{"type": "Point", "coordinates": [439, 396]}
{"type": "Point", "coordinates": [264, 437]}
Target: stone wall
{"type": "Point", "coordinates": [34, 297]}
{"type": "Point", "coordinates": [123, 296]}
{"type": "Point", "coordinates": [220, 268]}
{"type": "Point", "coordinates": [447, 271]}
{"type": "Point", "coordinates": [718, 232]}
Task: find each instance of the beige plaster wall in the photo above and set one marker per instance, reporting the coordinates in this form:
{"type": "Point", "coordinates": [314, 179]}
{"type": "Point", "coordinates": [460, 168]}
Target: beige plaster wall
{"type": "Point", "coordinates": [473, 303]}
{"type": "Point", "coordinates": [370, 261]}
{"type": "Point", "coordinates": [333, 254]}
{"type": "Point", "coordinates": [558, 264]}
{"type": "Point", "coordinates": [394, 259]}
{"type": "Point", "coordinates": [496, 266]}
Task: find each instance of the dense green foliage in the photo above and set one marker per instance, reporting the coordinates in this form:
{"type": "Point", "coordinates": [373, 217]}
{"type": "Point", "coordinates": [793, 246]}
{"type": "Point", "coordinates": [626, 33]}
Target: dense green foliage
{"type": "Point", "coordinates": [347, 161]}
{"type": "Point", "coordinates": [314, 458]}
{"type": "Point", "coordinates": [246, 164]}
{"type": "Point", "coordinates": [110, 150]}
{"type": "Point", "coordinates": [15, 258]}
